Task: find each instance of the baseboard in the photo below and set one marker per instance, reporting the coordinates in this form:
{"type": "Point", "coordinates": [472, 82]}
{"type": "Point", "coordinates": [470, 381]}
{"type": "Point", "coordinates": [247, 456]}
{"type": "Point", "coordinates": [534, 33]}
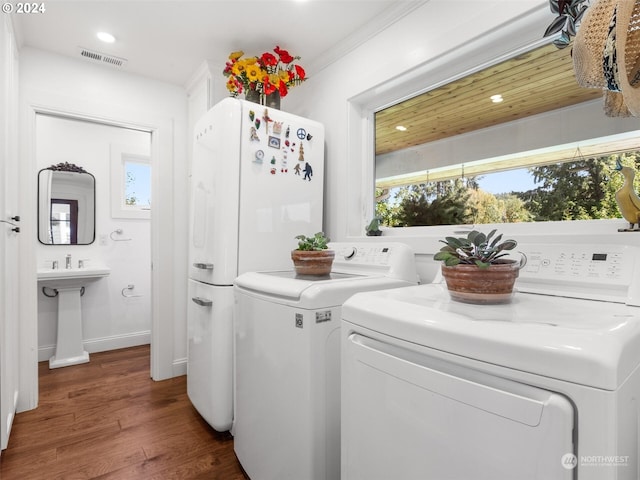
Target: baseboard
{"type": "Point", "coordinates": [103, 344]}
{"type": "Point", "coordinates": [179, 367]}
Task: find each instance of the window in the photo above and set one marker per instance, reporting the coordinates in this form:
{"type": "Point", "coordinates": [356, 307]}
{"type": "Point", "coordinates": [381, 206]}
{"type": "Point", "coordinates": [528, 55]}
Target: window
{"type": "Point", "coordinates": [546, 151]}
{"type": "Point", "coordinates": [130, 182]}
{"type": "Point", "coordinates": [579, 189]}
{"type": "Point", "coordinates": [137, 183]}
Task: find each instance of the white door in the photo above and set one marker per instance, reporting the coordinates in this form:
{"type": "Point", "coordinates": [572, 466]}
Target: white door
{"type": "Point", "coordinates": [281, 189]}
{"type": "Point", "coordinates": [215, 179]}
{"type": "Point", "coordinates": [9, 311]}
{"type": "Point", "coordinates": [409, 415]}
{"type": "Point", "coordinates": [210, 352]}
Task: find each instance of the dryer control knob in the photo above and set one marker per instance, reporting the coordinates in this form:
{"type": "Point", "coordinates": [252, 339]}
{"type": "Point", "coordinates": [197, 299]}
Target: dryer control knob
{"type": "Point", "coordinates": [349, 252]}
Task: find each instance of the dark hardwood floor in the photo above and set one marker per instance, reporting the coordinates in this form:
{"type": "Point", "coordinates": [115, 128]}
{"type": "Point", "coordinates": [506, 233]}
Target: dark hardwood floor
{"type": "Point", "coordinates": [108, 420]}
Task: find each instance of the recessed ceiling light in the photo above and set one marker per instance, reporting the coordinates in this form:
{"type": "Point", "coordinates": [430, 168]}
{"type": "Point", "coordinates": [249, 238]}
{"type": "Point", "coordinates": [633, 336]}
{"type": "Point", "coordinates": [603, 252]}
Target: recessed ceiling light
{"type": "Point", "coordinates": [106, 37]}
{"type": "Point", "coordinates": [496, 98]}
{"type": "Point", "coordinates": [401, 128]}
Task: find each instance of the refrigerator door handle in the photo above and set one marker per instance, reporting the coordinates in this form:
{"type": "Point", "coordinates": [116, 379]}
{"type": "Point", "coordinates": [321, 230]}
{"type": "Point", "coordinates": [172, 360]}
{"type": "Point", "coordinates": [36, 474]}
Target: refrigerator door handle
{"type": "Point", "coordinates": [203, 266]}
{"type": "Point", "coordinates": [203, 302]}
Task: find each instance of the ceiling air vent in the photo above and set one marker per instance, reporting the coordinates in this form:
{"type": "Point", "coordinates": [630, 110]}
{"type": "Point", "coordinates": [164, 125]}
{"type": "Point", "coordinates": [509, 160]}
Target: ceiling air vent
{"type": "Point", "coordinates": [101, 57]}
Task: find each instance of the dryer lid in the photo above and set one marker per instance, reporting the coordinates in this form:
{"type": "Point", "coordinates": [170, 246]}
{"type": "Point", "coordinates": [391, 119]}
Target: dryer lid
{"type": "Point", "coordinates": [587, 342]}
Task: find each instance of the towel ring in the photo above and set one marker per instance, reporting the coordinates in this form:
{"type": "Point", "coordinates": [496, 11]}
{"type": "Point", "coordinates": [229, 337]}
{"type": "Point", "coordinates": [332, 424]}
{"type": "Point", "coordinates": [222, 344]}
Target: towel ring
{"type": "Point", "coordinates": [129, 288]}
{"type": "Point", "coordinates": [119, 231]}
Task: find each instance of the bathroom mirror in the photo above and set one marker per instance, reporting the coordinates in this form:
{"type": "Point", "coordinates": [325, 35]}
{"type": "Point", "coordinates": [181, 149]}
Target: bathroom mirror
{"type": "Point", "coordinates": [66, 205]}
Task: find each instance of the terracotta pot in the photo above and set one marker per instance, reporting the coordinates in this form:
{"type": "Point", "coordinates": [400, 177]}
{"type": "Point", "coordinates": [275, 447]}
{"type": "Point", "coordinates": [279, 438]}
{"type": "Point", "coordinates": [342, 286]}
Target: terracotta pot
{"type": "Point", "coordinates": [314, 262]}
{"type": "Point", "coordinates": [470, 284]}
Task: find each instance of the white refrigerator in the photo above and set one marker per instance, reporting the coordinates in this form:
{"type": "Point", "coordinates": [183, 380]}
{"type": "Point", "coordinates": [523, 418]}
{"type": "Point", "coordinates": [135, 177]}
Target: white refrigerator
{"type": "Point", "coordinates": [256, 183]}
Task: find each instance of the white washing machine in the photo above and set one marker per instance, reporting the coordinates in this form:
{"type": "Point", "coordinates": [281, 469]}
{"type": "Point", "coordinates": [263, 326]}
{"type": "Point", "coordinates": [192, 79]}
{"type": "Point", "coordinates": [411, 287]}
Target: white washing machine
{"type": "Point", "coordinates": [546, 387]}
{"type": "Point", "coordinates": [287, 350]}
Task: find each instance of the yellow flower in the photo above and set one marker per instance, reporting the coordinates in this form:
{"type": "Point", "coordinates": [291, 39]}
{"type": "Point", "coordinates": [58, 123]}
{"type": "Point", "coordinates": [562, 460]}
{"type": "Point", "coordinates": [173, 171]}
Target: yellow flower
{"type": "Point", "coordinates": [254, 72]}
{"type": "Point", "coordinates": [239, 67]}
{"type": "Point", "coordinates": [231, 84]}
{"type": "Point", "coordinates": [284, 75]}
{"type": "Point", "coordinates": [235, 55]}
{"type": "Point", "coordinates": [274, 78]}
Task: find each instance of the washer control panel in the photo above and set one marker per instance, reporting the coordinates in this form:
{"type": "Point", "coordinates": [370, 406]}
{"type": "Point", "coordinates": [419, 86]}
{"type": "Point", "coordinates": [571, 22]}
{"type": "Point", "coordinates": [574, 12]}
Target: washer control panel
{"type": "Point", "coordinates": [593, 270]}
{"type": "Point", "coordinates": [390, 259]}
{"type": "Point", "coordinates": [365, 254]}
{"type": "Point", "coordinates": [581, 264]}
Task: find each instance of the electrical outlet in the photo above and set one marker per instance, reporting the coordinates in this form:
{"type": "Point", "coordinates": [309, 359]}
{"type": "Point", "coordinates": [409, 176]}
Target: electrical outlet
{"type": "Point", "coordinates": [104, 239]}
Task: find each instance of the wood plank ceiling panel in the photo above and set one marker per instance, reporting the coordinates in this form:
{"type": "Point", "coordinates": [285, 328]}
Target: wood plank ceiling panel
{"type": "Point", "coordinates": [532, 83]}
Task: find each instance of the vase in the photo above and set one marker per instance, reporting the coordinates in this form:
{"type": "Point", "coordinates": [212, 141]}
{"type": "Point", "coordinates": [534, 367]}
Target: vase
{"type": "Point", "coordinates": [471, 284]}
{"type": "Point", "coordinates": [312, 262]}
{"type": "Point", "coordinates": [271, 101]}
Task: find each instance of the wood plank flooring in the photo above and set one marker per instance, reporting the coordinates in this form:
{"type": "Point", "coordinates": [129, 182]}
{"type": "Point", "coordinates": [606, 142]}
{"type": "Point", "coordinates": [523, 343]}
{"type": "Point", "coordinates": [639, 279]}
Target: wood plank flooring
{"type": "Point", "coordinates": [108, 420]}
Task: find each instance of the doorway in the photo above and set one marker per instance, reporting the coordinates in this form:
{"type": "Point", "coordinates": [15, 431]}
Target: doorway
{"type": "Point", "coordinates": [117, 310]}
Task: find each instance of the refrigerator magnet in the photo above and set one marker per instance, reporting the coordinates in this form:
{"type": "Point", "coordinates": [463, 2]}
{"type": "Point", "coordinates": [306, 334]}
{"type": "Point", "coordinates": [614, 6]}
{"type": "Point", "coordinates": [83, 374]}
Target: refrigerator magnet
{"type": "Point", "coordinates": [302, 133]}
{"type": "Point", "coordinates": [266, 119]}
{"type": "Point", "coordinates": [254, 134]}
{"type": "Point", "coordinates": [274, 142]}
{"type": "Point", "coordinates": [259, 156]}
{"type": "Point", "coordinates": [308, 172]}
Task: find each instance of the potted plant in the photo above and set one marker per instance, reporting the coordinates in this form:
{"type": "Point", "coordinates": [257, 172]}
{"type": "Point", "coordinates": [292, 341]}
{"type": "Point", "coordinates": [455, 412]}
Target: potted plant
{"type": "Point", "coordinates": [312, 257]}
{"type": "Point", "coordinates": [475, 269]}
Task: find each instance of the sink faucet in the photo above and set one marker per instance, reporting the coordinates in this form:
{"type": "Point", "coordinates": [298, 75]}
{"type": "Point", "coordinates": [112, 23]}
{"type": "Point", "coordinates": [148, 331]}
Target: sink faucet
{"type": "Point", "coordinates": [68, 262]}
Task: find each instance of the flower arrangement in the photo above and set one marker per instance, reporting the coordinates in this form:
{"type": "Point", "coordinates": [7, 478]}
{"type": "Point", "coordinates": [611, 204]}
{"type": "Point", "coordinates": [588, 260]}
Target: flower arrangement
{"type": "Point", "coordinates": [265, 74]}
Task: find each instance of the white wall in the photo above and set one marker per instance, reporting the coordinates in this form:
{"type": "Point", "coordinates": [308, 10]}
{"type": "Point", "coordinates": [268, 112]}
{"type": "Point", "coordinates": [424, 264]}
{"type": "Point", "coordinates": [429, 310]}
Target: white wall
{"type": "Point", "coordinates": [109, 319]}
{"type": "Point", "coordinates": [51, 82]}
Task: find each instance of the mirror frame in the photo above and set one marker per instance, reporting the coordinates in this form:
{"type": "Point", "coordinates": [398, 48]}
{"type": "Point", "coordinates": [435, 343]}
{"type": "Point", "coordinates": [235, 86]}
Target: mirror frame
{"type": "Point", "coordinates": [71, 168]}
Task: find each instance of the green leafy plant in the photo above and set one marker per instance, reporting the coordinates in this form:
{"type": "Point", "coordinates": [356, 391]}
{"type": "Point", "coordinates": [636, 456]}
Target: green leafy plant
{"type": "Point", "coordinates": [569, 14]}
{"type": "Point", "coordinates": [476, 249]}
{"type": "Point", "coordinates": [317, 242]}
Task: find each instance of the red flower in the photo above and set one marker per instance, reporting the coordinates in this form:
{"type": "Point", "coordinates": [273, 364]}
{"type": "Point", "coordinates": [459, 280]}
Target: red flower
{"type": "Point", "coordinates": [283, 89]}
{"type": "Point", "coordinates": [300, 71]}
{"type": "Point", "coordinates": [268, 59]}
{"type": "Point", "coordinates": [268, 87]}
{"type": "Point", "coordinates": [284, 55]}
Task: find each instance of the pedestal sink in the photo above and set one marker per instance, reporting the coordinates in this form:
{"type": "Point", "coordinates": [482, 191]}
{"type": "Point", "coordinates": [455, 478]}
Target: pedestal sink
{"type": "Point", "coordinates": [68, 284]}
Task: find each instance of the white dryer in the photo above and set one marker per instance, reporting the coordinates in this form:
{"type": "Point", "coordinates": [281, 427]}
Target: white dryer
{"type": "Point", "coordinates": [287, 350]}
{"type": "Point", "coordinates": [546, 387]}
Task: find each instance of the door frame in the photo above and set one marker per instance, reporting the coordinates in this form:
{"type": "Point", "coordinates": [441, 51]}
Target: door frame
{"type": "Point", "coordinates": [162, 133]}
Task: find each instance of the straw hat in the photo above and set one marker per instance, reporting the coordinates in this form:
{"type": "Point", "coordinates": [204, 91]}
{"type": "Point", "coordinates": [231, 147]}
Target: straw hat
{"type": "Point", "coordinates": [598, 59]}
{"type": "Point", "coordinates": [589, 44]}
{"type": "Point", "coordinates": [628, 45]}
